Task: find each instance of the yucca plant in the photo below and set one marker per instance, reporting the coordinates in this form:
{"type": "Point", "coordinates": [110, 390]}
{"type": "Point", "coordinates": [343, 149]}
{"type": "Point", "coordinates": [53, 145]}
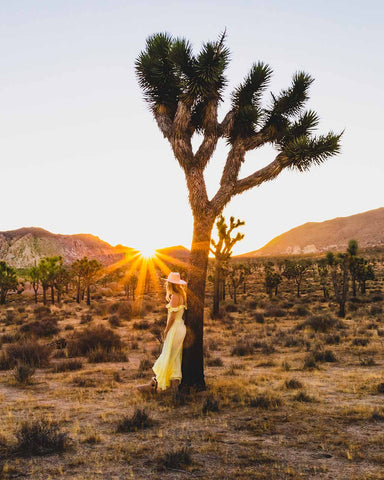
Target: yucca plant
{"type": "Point", "coordinates": [184, 91]}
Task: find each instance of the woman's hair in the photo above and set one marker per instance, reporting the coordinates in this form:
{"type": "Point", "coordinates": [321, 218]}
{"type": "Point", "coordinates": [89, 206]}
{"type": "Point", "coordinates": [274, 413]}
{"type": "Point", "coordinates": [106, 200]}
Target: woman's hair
{"type": "Point", "coordinates": [176, 288]}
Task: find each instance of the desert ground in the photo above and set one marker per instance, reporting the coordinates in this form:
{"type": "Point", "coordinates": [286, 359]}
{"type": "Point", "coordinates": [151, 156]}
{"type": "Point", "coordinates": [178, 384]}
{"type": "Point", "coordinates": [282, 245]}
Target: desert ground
{"type": "Point", "coordinates": [293, 391]}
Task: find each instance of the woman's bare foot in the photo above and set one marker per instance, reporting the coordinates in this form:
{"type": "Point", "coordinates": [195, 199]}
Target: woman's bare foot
{"type": "Point", "coordinates": [150, 387]}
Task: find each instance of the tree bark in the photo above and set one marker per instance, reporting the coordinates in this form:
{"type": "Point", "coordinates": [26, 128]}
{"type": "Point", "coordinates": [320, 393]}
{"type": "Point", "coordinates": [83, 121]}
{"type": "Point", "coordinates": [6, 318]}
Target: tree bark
{"type": "Point", "coordinates": [216, 290]}
{"type": "Point", "coordinates": [88, 295]}
{"type": "Point", "coordinates": [192, 356]}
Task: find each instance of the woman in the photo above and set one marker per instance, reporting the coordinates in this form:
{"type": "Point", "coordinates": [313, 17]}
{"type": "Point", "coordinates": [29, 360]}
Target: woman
{"type": "Point", "coordinates": [167, 367]}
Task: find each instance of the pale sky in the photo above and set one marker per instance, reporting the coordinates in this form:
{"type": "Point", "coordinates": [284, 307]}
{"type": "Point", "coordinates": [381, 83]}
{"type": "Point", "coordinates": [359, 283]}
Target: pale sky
{"type": "Point", "coordinates": [80, 152]}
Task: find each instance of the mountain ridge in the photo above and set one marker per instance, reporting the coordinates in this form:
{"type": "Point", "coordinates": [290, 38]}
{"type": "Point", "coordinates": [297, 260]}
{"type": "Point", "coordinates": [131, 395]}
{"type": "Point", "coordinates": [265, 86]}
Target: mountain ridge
{"type": "Point", "coordinates": [333, 234]}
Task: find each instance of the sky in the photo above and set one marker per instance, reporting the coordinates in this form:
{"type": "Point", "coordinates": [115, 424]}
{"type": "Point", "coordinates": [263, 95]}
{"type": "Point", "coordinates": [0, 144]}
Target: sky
{"type": "Point", "coordinates": [81, 153]}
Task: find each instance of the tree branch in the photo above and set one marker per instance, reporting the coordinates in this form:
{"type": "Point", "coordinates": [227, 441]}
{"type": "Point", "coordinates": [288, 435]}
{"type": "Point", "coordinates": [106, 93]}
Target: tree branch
{"type": "Point", "coordinates": [266, 173]}
{"type": "Point", "coordinates": [229, 177]}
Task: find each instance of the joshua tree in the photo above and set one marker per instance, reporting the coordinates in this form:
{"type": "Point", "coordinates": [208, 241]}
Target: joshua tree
{"type": "Point", "coordinates": [43, 268]}
{"type": "Point", "coordinates": [8, 281]}
{"type": "Point", "coordinates": [339, 265]}
{"type": "Point", "coordinates": [85, 272]}
{"type": "Point", "coordinates": [322, 270]}
{"type": "Point", "coordinates": [222, 250]}
{"type": "Point", "coordinates": [296, 271]}
{"type": "Point", "coordinates": [54, 266]}
{"type": "Point", "coordinates": [364, 272]}
{"type": "Point", "coordinates": [34, 278]}
{"type": "Point", "coordinates": [354, 260]}
{"type": "Point", "coordinates": [130, 285]}
{"type": "Point", "coordinates": [184, 91]}
{"type": "Point", "coordinates": [236, 278]}
{"type": "Point", "coordinates": [272, 279]}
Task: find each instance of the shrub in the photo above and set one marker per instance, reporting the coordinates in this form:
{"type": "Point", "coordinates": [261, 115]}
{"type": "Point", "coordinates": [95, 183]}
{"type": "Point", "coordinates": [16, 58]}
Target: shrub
{"type": "Point", "coordinates": [267, 348]}
{"type": "Point", "coordinates": [69, 365]}
{"type": "Point", "coordinates": [114, 321]}
{"type": "Point", "coordinates": [215, 362]}
{"type": "Point", "coordinates": [266, 401]}
{"type": "Point", "coordinates": [242, 349]}
{"type": "Point", "coordinates": [23, 373]}
{"type": "Point", "coordinates": [30, 352]}
{"type": "Point", "coordinates": [310, 362]}
{"type": "Point", "coordinates": [376, 310]}
{"type": "Point", "coordinates": [293, 383]}
{"type": "Point", "coordinates": [100, 355]}
{"type": "Point", "coordinates": [41, 328]}
{"type": "Point", "coordinates": [175, 458]}
{"type": "Point", "coordinates": [301, 311]}
{"type": "Point", "coordinates": [231, 307]}
{"type": "Point", "coordinates": [259, 317]}
{"type": "Point", "coordinates": [273, 311]}
{"type": "Point", "coordinates": [143, 325]}
{"type": "Point", "coordinates": [85, 318]}
{"type": "Point", "coordinates": [145, 364]}
{"type": "Point", "coordinates": [41, 312]}
{"type": "Point", "coordinates": [332, 339]}
{"type": "Point", "coordinates": [252, 304]}
{"type": "Point", "coordinates": [5, 362]}
{"type": "Point", "coordinates": [138, 421]}
{"type": "Point", "coordinates": [210, 404]}
{"type": "Point", "coordinates": [40, 437]}
{"type": "Point", "coordinates": [380, 388]}
{"type": "Point", "coordinates": [321, 323]}
{"type": "Point", "coordinates": [360, 341]}
{"type": "Point", "coordinates": [90, 338]}
{"type": "Point", "coordinates": [303, 397]}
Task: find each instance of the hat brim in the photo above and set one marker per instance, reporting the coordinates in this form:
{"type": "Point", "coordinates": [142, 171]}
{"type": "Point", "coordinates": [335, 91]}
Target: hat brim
{"type": "Point", "coordinates": [180, 282]}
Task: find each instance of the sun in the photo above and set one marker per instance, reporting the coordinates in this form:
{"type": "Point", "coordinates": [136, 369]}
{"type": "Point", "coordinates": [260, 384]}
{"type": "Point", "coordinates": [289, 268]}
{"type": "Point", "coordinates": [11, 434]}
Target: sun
{"type": "Point", "coordinates": [148, 252]}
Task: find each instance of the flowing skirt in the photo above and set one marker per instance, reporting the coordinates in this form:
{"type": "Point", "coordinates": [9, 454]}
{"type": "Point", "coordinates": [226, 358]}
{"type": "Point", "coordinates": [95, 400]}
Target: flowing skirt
{"type": "Point", "coordinates": [168, 365]}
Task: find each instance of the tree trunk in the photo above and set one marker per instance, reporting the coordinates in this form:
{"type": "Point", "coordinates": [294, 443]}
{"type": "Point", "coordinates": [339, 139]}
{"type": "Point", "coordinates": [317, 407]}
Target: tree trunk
{"type": "Point", "coordinates": [192, 356]}
{"type": "Point", "coordinates": [35, 295]}
{"type": "Point", "coordinates": [44, 295]}
{"type": "Point", "coordinates": [52, 295]}
{"type": "Point", "coordinates": [342, 309]}
{"type": "Point", "coordinates": [2, 297]}
{"type": "Point", "coordinates": [88, 295]}
{"type": "Point", "coordinates": [298, 289]}
{"type": "Point", "coordinates": [216, 290]}
{"type": "Point", "coordinates": [78, 292]}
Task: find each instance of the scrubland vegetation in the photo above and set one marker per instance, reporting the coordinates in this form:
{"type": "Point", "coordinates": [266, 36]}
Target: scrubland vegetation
{"type": "Point", "coordinates": [294, 389]}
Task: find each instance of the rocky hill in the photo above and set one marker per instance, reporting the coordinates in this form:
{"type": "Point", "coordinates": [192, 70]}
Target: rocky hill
{"type": "Point", "coordinates": [316, 237]}
{"type": "Point", "coordinates": [23, 247]}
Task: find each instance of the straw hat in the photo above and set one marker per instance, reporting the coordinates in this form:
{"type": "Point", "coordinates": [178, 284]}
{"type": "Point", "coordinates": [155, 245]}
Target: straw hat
{"type": "Point", "coordinates": [174, 277]}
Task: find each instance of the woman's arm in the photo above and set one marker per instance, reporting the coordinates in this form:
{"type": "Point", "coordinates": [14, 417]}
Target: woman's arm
{"type": "Point", "coordinates": [173, 303]}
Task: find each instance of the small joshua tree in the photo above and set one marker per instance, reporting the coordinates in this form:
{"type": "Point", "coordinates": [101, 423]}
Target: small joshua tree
{"type": "Point", "coordinates": [222, 250]}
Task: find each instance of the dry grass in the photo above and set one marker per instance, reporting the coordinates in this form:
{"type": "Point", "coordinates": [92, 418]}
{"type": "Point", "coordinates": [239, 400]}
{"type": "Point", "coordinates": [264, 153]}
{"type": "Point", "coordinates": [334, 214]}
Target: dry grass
{"type": "Point", "coordinates": [292, 393]}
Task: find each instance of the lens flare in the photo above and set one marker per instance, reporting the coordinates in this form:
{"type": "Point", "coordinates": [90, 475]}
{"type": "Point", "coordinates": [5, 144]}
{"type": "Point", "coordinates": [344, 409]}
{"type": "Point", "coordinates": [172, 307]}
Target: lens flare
{"type": "Point", "coordinates": [148, 252]}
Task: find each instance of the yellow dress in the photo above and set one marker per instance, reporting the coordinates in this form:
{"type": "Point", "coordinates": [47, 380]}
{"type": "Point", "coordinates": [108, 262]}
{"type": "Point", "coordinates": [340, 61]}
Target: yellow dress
{"type": "Point", "coordinates": [168, 365]}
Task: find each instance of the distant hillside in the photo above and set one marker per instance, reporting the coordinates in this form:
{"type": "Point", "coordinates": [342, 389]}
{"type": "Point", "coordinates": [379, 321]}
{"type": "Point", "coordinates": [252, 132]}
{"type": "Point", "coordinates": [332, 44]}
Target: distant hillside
{"type": "Point", "coordinates": [179, 254]}
{"type": "Point", "coordinates": [316, 237]}
{"type": "Point", "coordinates": [23, 247]}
